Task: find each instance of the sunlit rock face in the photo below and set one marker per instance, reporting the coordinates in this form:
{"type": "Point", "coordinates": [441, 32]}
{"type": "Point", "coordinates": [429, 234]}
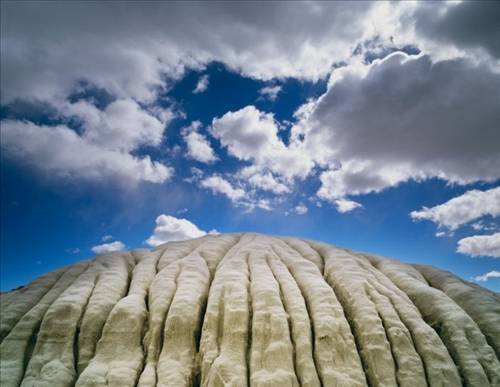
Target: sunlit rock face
{"type": "Point", "coordinates": [249, 309]}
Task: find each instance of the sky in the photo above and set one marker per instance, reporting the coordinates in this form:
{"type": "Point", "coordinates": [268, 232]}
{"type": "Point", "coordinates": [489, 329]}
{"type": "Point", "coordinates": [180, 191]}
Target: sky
{"type": "Point", "coordinates": [371, 125]}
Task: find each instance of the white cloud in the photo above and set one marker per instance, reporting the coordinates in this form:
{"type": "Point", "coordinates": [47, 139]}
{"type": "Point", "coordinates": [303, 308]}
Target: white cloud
{"type": "Point", "coordinates": [478, 226]}
{"type": "Point", "coordinates": [345, 205]}
{"type": "Point", "coordinates": [263, 204]}
{"type": "Point", "coordinates": [301, 209]}
{"type": "Point", "coordinates": [401, 118]}
{"type": "Point", "coordinates": [486, 276]}
{"type": "Point", "coordinates": [202, 84]}
{"type": "Point", "coordinates": [58, 150]}
{"type": "Point", "coordinates": [238, 196]}
{"type": "Point", "coordinates": [47, 50]}
{"type": "Point", "coordinates": [267, 182]}
{"type": "Point", "coordinates": [103, 147]}
{"type": "Point", "coordinates": [218, 184]}
{"type": "Point", "coordinates": [123, 125]}
{"type": "Point", "coordinates": [270, 92]}
{"type": "Point", "coordinates": [169, 228]}
{"type": "Point", "coordinates": [108, 247]}
{"type": "Point", "coordinates": [377, 125]}
{"type": "Point", "coordinates": [197, 144]}
{"type": "Point", "coordinates": [357, 178]}
{"type": "Point", "coordinates": [196, 175]}
{"type": "Point", "coordinates": [263, 180]}
{"type": "Point", "coordinates": [480, 245]}
{"type": "Point", "coordinates": [462, 209]}
{"type": "Point", "coordinates": [252, 135]}
{"type": "Point", "coordinates": [106, 238]}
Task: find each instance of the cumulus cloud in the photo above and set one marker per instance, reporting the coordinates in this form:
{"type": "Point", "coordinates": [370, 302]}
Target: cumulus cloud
{"type": "Point", "coordinates": [198, 146]}
{"type": "Point", "coordinates": [345, 205]}
{"type": "Point", "coordinates": [103, 146]}
{"type": "Point", "coordinates": [462, 209]}
{"type": "Point", "coordinates": [262, 180]}
{"type": "Point", "coordinates": [404, 117]}
{"type": "Point", "coordinates": [46, 48]}
{"type": "Point", "coordinates": [486, 276]}
{"type": "Point", "coordinates": [469, 25]}
{"type": "Point", "coordinates": [377, 125]}
{"type": "Point", "coordinates": [218, 184]}
{"type": "Point", "coordinates": [108, 247]}
{"type": "Point", "coordinates": [237, 195]}
{"type": "Point", "coordinates": [357, 178]}
{"type": "Point", "coordinates": [270, 92]}
{"type": "Point", "coordinates": [252, 135]}
{"type": "Point", "coordinates": [202, 84]}
{"type": "Point", "coordinates": [61, 151]}
{"type": "Point", "coordinates": [169, 228]}
{"type": "Point", "coordinates": [301, 209]}
{"type": "Point", "coordinates": [123, 125]}
{"type": "Point", "coordinates": [480, 245]}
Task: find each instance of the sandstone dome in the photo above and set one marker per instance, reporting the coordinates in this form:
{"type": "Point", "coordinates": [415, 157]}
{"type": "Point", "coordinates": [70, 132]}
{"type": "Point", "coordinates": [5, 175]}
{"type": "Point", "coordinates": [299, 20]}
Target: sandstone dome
{"type": "Point", "coordinates": [249, 310]}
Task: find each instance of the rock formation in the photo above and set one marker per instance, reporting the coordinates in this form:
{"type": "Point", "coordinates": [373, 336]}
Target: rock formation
{"type": "Point", "coordinates": [249, 310]}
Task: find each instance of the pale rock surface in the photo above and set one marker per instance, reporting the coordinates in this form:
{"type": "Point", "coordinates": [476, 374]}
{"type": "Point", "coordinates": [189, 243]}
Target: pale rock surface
{"type": "Point", "coordinates": [249, 310]}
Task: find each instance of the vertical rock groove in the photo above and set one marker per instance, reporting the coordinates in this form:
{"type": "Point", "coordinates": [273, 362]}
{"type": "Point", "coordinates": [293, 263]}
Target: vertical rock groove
{"type": "Point", "coordinates": [479, 303]}
{"type": "Point", "coordinates": [249, 310]}
{"type": "Point", "coordinates": [21, 301]}
{"type": "Point", "coordinates": [476, 360]}
{"type": "Point", "coordinates": [337, 358]}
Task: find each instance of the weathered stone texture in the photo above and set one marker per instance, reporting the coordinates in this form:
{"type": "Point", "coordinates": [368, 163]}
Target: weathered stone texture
{"type": "Point", "coordinates": [249, 310]}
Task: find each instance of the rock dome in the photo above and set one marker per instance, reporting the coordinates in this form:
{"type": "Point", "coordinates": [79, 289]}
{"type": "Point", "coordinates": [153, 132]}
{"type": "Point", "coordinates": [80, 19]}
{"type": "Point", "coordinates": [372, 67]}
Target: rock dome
{"type": "Point", "coordinates": [249, 310]}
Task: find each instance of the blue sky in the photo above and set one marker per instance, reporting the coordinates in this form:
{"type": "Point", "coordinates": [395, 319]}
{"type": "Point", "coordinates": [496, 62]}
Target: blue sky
{"type": "Point", "coordinates": [375, 137]}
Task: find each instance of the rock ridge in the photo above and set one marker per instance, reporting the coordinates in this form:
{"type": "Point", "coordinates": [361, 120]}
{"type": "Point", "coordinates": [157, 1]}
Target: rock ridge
{"type": "Point", "coordinates": [249, 310]}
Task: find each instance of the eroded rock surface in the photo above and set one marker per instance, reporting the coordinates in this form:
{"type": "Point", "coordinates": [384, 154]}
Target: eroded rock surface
{"type": "Point", "coordinates": [249, 310]}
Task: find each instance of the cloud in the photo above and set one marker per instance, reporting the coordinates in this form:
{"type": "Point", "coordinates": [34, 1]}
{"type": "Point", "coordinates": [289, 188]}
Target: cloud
{"type": "Point", "coordinates": [202, 84]}
{"type": "Point", "coordinates": [60, 151]}
{"type": "Point", "coordinates": [238, 196]}
{"type": "Point", "coordinates": [169, 228]}
{"type": "Point", "coordinates": [378, 125]}
{"type": "Point", "coordinates": [108, 247]}
{"type": "Point", "coordinates": [462, 209]}
{"type": "Point", "coordinates": [480, 245]}
{"type": "Point", "coordinates": [401, 118]}
{"type": "Point", "coordinates": [102, 147]}
{"type": "Point", "coordinates": [263, 204]}
{"type": "Point", "coordinates": [198, 146]}
{"type": "Point", "coordinates": [345, 205]}
{"type": "Point", "coordinates": [106, 238]}
{"type": "Point", "coordinates": [357, 178]}
{"type": "Point", "coordinates": [270, 92]}
{"type": "Point", "coordinates": [301, 209]}
{"type": "Point", "coordinates": [252, 135]}
{"type": "Point", "coordinates": [196, 175]}
{"type": "Point", "coordinates": [47, 50]}
{"type": "Point", "coordinates": [220, 185]}
{"type": "Point", "coordinates": [486, 276]}
{"type": "Point", "coordinates": [262, 180]}
{"type": "Point", "coordinates": [466, 25]}
{"type": "Point", "coordinates": [478, 226]}
{"type": "Point", "coordinates": [123, 125]}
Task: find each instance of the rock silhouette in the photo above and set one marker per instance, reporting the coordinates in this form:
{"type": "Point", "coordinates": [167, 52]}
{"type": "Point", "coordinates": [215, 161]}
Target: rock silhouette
{"type": "Point", "coordinates": [249, 310]}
